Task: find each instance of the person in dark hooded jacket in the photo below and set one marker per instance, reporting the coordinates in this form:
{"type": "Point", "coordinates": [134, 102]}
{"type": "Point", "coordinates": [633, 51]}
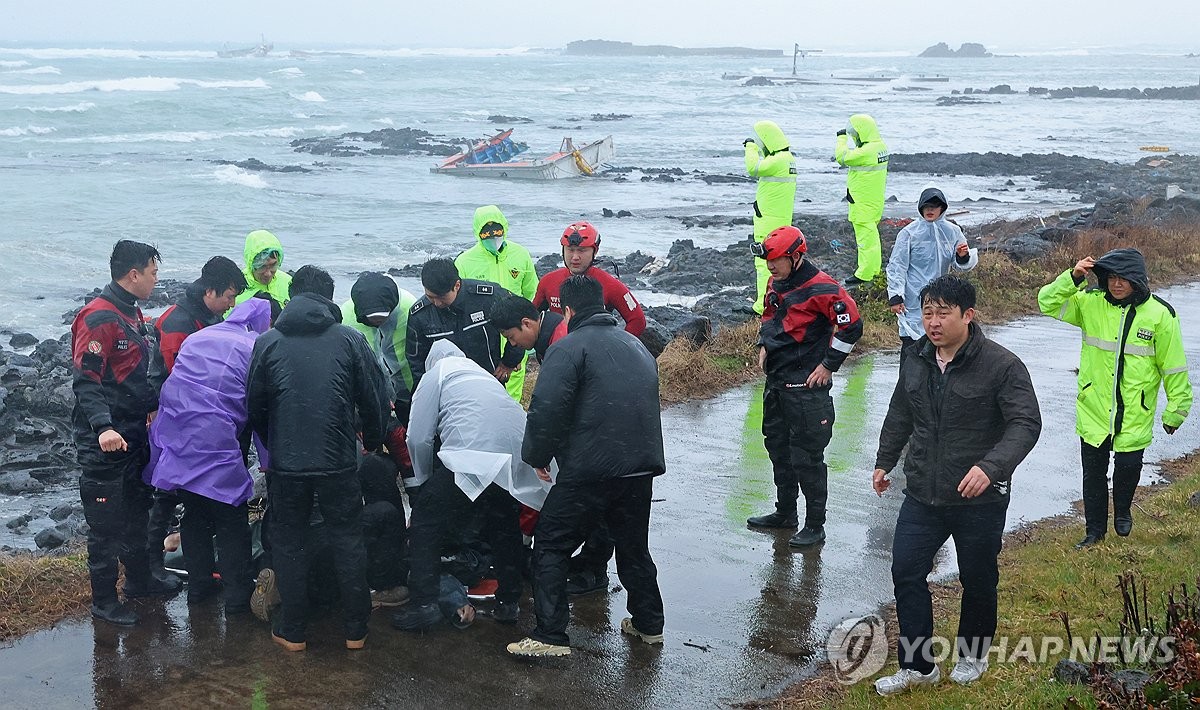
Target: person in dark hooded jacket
{"type": "Point", "coordinates": [378, 309]}
{"type": "Point", "coordinates": [313, 385]}
{"type": "Point", "coordinates": [1132, 344]}
{"type": "Point", "coordinates": [595, 411]}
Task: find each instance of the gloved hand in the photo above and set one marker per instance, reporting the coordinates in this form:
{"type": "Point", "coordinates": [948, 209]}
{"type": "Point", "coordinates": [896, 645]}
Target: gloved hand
{"type": "Point", "coordinates": [842, 132]}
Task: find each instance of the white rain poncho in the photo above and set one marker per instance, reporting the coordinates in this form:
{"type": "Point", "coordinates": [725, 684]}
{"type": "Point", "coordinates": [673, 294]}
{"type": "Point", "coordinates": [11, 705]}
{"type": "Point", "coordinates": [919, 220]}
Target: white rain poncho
{"type": "Point", "coordinates": [923, 251]}
{"type": "Point", "coordinates": [480, 429]}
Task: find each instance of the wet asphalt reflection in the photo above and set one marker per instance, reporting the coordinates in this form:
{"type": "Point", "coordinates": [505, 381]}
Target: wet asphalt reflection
{"type": "Point", "coordinates": [745, 614]}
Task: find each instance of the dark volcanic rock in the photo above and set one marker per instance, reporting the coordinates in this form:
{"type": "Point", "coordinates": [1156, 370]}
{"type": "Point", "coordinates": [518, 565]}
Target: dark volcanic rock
{"type": "Point", "coordinates": [259, 166]}
{"type": "Point", "coordinates": [1170, 93]}
{"type": "Point", "coordinates": [390, 141]}
{"type": "Point", "coordinates": [22, 340]}
{"type": "Point", "coordinates": [19, 482]}
{"type": "Point", "coordinates": [758, 81]}
{"type": "Point", "coordinates": [967, 50]}
{"type": "Point", "coordinates": [961, 101]}
{"type": "Point", "coordinates": [501, 118]}
{"type": "Point", "coordinates": [1071, 672]}
{"type": "Point", "coordinates": [51, 538]}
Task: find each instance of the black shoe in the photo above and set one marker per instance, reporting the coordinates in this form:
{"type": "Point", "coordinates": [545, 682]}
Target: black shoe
{"type": "Point", "coordinates": [1123, 523]}
{"type": "Point", "coordinates": [587, 583]}
{"type": "Point", "coordinates": [774, 520]}
{"type": "Point", "coordinates": [506, 612]}
{"type": "Point", "coordinates": [154, 587]}
{"type": "Point", "coordinates": [416, 618]}
{"type": "Point", "coordinates": [115, 613]}
{"type": "Point", "coordinates": [1089, 541]}
{"type": "Point", "coordinates": [854, 282]}
{"type": "Point", "coordinates": [810, 535]}
{"type": "Point", "coordinates": [200, 593]}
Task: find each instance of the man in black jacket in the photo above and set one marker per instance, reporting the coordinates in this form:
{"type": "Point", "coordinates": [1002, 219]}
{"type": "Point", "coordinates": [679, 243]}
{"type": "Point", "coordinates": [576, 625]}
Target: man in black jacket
{"type": "Point", "coordinates": [459, 310]}
{"type": "Point", "coordinates": [595, 411]}
{"type": "Point", "coordinates": [967, 410]}
{"type": "Point", "coordinates": [309, 378]}
{"type": "Point", "coordinates": [111, 352]}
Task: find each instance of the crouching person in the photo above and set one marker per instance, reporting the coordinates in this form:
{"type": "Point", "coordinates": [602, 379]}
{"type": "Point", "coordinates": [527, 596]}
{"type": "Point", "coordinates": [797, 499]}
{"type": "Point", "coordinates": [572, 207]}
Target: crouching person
{"type": "Point", "coordinates": [595, 410]}
{"type": "Point", "coordinates": [464, 438]}
{"type": "Point", "coordinates": [966, 409]}
{"type": "Point", "coordinates": [195, 451]}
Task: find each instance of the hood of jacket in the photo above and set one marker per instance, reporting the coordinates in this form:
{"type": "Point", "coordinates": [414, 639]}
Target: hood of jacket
{"type": "Point", "coordinates": [489, 213]}
{"type": "Point", "coordinates": [257, 242]}
{"type": "Point", "coordinates": [772, 136]}
{"type": "Point", "coordinates": [441, 350]}
{"type": "Point", "coordinates": [1129, 264]}
{"type": "Point", "coordinates": [932, 194]}
{"type": "Point", "coordinates": [308, 314]}
{"type": "Point", "coordinates": [253, 315]}
{"type": "Point", "coordinates": [590, 317]}
{"type": "Point", "coordinates": [374, 292]}
{"type": "Point", "coordinates": [863, 129]}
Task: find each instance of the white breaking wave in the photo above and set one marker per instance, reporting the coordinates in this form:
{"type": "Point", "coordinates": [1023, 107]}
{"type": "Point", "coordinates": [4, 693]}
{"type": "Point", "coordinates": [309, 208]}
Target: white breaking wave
{"type": "Point", "coordinates": [11, 63]}
{"type": "Point", "coordinates": [188, 136]}
{"type": "Point", "coordinates": [437, 52]}
{"type": "Point", "coordinates": [73, 108]}
{"type": "Point", "coordinates": [26, 131]}
{"type": "Point", "coordinates": [98, 53]}
{"type": "Point", "coordinates": [311, 96]}
{"type": "Point", "coordinates": [36, 70]}
{"type": "Point", "coordinates": [385, 121]}
{"type": "Point", "coordinates": [233, 175]}
{"type": "Point", "coordinates": [358, 72]}
{"type": "Point", "coordinates": [290, 71]}
{"type": "Point", "coordinates": [138, 83]}
{"type": "Point", "coordinates": [332, 129]}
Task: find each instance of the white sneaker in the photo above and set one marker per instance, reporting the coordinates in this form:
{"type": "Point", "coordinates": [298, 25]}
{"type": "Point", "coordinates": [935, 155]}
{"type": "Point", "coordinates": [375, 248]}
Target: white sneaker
{"type": "Point", "coordinates": [906, 678]}
{"type": "Point", "coordinates": [968, 670]}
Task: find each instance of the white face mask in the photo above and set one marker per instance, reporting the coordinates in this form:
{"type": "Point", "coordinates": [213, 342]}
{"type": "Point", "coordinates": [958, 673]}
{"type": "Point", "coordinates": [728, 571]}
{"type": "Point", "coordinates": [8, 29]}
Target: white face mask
{"type": "Point", "coordinates": [493, 244]}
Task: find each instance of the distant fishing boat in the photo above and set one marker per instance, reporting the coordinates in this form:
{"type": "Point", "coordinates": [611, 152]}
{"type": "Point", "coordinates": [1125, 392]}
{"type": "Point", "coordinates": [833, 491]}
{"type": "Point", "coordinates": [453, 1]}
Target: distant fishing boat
{"type": "Point", "coordinates": [263, 49]}
{"type": "Point", "coordinates": [929, 77]}
{"type": "Point", "coordinates": [567, 162]}
{"type": "Point", "coordinates": [878, 77]}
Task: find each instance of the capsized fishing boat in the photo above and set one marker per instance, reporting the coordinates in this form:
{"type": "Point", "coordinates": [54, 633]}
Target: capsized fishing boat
{"type": "Point", "coordinates": [263, 49]}
{"type": "Point", "coordinates": [483, 160]}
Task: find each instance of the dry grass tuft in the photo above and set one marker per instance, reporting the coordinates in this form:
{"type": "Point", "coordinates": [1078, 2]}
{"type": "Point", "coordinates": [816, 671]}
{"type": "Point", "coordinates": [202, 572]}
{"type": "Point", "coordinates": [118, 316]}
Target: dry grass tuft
{"type": "Point", "coordinates": [38, 591]}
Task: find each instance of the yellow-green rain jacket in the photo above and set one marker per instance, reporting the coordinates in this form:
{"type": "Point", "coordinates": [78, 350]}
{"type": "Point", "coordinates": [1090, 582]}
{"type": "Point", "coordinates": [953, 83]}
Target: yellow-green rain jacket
{"type": "Point", "coordinates": [867, 161]}
{"type": "Point", "coordinates": [775, 169]}
{"type": "Point", "coordinates": [257, 242]}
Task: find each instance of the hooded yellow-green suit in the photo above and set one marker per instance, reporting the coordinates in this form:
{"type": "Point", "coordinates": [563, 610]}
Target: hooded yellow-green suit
{"type": "Point", "coordinates": [504, 262]}
{"type": "Point", "coordinates": [772, 163]}
{"type": "Point", "coordinates": [257, 242]}
{"type": "Point", "coordinates": [865, 186]}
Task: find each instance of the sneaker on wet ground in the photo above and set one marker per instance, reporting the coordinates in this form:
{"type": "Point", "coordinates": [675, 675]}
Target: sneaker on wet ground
{"type": "Point", "coordinates": [968, 670]}
{"type": "Point", "coordinates": [906, 679]}
{"type": "Point", "coordinates": [288, 645]}
{"type": "Point", "coordinates": [484, 589]}
{"type": "Point", "coordinates": [627, 627]}
{"type": "Point", "coordinates": [774, 520]}
{"type": "Point", "coordinates": [809, 535]}
{"type": "Point", "coordinates": [536, 649]}
{"type": "Point", "coordinates": [115, 612]}
{"type": "Point", "coordinates": [396, 596]}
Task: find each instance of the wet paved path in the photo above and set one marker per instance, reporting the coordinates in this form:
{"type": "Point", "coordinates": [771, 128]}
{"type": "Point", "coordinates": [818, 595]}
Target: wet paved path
{"type": "Point", "coordinates": [744, 613]}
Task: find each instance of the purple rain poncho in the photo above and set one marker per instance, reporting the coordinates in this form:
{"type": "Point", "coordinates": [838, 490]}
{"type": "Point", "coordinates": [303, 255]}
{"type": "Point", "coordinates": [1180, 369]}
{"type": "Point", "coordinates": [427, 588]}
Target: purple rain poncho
{"type": "Point", "coordinates": [202, 409]}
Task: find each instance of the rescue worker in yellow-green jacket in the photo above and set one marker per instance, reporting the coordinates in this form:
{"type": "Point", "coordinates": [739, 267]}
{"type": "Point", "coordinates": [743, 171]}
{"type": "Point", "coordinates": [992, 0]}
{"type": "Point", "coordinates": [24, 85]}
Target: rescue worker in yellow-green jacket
{"type": "Point", "coordinates": [867, 162]}
{"type": "Point", "coordinates": [1132, 344]}
{"type": "Point", "coordinates": [769, 159]}
{"type": "Point", "coordinates": [264, 268]}
{"type": "Point", "coordinates": [497, 259]}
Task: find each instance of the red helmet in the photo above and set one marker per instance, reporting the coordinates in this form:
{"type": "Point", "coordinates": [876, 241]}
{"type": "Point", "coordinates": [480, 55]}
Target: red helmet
{"type": "Point", "coordinates": [784, 241]}
{"type": "Point", "coordinates": [580, 234]}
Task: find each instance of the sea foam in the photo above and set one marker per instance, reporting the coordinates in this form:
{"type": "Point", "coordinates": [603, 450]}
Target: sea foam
{"type": "Point", "coordinates": [26, 131]}
{"type": "Point", "coordinates": [137, 83]}
{"type": "Point", "coordinates": [310, 96]}
{"type": "Point", "coordinates": [36, 70]}
{"type": "Point", "coordinates": [233, 175]}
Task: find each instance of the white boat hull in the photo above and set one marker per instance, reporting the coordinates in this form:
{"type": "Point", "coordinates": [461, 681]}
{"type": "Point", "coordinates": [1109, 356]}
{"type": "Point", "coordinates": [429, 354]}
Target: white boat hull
{"type": "Point", "coordinates": [554, 167]}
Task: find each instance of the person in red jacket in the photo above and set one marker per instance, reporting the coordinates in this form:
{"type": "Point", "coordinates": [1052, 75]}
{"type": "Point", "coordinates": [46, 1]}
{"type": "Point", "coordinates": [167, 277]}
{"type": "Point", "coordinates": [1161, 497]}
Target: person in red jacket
{"type": "Point", "coordinates": [527, 328]}
{"type": "Point", "coordinates": [204, 303]}
{"type": "Point", "coordinates": [809, 326]}
{"type": "Point", "coordinates": [580, 243]}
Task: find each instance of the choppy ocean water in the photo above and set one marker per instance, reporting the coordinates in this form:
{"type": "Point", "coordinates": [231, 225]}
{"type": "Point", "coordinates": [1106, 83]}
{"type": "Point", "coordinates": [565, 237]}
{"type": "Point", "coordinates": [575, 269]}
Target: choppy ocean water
{"type": "Point", "coordinates": [98, 144]}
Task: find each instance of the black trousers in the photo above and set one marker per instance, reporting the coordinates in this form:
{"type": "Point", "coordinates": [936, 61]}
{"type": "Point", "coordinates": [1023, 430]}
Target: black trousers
{"type": "Point", "coordinates": [921, 530]}
{"type": "Point", "coordinates": [162, 516]}
{"type": "Point", "coordinates": [339, 498]}
{"type": "Point", "coordinates": [116, 505]}
{"type": "Point", "coordinates": [1127, 471]}
{"type": "Point", "coordinates": [204, 520]}
{"type": "Point", "coordinates": [797, 425]}
{"type": "Point", "coordinates": [571, 511]}
{"type": "Point", "coordinates": [385, 538]}
{"type": "Point", "coordinates": [596, 552]}
{"type": "Point", "coordinates": [440, 509]}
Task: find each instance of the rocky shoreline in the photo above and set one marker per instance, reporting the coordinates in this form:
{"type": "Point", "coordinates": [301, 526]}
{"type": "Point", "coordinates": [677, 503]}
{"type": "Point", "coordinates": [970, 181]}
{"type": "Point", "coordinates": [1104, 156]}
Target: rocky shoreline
{"type": "Point", "coordinates": [35, 378]}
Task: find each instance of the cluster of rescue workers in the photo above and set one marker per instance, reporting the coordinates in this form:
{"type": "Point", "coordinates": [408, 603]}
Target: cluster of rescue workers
{"type": "Point", "coordinates": [386, 403]}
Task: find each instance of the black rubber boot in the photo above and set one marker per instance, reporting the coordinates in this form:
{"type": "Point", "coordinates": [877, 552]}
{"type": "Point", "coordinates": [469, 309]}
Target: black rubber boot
{"type": "Point", "coordinates": [809, 535]}
{"type": "Point", "coordinates": [506, 612]}
{"type": "Point", "coordinates": [1123, 523]}
{"type": "Point", "coordinates": [153, 586]}
{"type": "Point", "coordinates": [114, 612]}
{"type": "Point", "coordinates": [774, 520]}
{"type": "Point", "coordinates": [587, 582]}
{"type": "Point", "coordinates": [1089, 541]}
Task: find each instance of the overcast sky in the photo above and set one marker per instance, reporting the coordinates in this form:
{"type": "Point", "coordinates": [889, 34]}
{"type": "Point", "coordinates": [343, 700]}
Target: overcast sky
{"type": "Point", "coordinates": [864, 25]}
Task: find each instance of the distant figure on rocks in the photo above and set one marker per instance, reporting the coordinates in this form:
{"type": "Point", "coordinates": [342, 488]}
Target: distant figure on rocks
{"type": "Point", "coordinates": [926, 249]}
{"type": "Point", "coordinates": [966, 410]}
{"type": "Point", "coordinates": [111, 347]}
{"type": "Point", "coordinates": [769, 160]}
{"type": "Point", "coordinates": [867, 161]}
{"type": "Point", "coordinates": [1132, 344]}
{"type": "Point", "coordinates": [580, 244]}
{"type": "Point", "coordinates": [498, 259]}
{"type": "Point", "coordinates": [264, 268]}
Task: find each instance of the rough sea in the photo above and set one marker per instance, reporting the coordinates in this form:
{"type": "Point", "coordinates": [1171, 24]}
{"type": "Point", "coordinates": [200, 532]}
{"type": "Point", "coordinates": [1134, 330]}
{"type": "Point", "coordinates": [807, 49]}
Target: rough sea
{"type": "Point", "coordinates": [98, 144]}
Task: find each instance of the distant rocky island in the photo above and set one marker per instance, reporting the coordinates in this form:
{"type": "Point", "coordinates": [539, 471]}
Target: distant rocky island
{"type": "Point", "coordinates": [609, 48]}
{"type": "Point", "coordinates": [968, 50]}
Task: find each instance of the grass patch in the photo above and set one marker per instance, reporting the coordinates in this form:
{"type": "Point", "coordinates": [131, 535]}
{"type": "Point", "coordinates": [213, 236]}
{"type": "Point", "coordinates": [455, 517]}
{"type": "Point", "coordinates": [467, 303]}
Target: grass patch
{"type": "Point", "coordinates": [37, 591]}
{"type": "Point", "coordinates": [1042, 578]}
